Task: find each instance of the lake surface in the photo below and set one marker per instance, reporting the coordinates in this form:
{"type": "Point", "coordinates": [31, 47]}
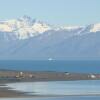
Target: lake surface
{"type": "Point", "coordinates": [74, 90]}
{"type": "Point", "coordinates": [69, 66]}
{"type": "Point", "coordinates": [59, 87]}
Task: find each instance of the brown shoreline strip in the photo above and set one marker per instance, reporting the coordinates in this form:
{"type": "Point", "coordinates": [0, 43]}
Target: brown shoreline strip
{"type": "Point", "coordinates": [26, 76]}
{"type": "Point", "coordinates": [4, 92]}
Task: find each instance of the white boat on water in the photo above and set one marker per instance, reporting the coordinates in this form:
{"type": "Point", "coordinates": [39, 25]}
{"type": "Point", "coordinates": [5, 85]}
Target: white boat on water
{"type": "Point", "coordinates": [50, 59]}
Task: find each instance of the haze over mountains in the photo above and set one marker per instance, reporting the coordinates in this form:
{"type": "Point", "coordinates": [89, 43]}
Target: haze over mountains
{"type": "Point", "coordinates": [28, 39]}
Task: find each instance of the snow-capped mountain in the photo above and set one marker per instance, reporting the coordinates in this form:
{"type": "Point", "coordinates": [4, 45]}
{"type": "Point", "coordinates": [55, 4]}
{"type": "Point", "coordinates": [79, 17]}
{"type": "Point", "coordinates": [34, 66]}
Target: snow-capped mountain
{"type": "Point", "coordinates": [22, 28]}
{"type": "Point", "coordinates": [25, 27]}
{"type": "Point", "coordinates": [25, 38]}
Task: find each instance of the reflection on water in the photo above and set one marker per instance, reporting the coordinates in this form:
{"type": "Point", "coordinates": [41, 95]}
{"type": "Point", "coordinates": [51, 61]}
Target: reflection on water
{"type": "Point", "coordinates": [59, 88]}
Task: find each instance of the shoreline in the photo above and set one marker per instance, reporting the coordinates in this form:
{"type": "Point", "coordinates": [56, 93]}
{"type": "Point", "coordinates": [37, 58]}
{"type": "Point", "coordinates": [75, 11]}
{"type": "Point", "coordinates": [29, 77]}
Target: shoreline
{"type": "Point", "coordinates": [17, 94]}
{"type": "Point", "coordinates": [6, 92]}
{"type": "Point", "coordinates": [28, 76]}
{"type": "Point", "coordinates": [25, 76]}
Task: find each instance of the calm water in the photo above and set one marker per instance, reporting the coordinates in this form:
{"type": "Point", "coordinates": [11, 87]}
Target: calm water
{"type": "Point", "coordinates": [59, 88]}
{"type": "Point", "coordinates": [70, 66]}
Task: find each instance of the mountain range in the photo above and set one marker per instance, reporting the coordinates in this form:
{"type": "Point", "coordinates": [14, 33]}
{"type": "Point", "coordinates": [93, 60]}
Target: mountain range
{"type": "Point", "coordinates": [30, 39]}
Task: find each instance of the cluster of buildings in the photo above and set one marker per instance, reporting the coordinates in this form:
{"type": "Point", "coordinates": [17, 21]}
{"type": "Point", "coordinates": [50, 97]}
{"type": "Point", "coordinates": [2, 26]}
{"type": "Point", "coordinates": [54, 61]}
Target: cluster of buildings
{"type": "Point", "coordinates": [22, 75]}
{"type": "Point", "coordinates": [15, 74]}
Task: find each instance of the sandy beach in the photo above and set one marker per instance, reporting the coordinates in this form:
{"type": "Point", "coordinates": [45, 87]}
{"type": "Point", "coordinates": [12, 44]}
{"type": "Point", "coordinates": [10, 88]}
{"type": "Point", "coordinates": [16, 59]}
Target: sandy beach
{"type": "Point", "coordinates": [5, 92]}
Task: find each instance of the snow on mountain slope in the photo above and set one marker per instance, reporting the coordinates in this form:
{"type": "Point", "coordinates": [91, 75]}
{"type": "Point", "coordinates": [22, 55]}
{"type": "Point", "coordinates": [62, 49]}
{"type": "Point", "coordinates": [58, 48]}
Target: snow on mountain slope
{"type": "Point", "coordinates": [24, 27]}
{"type": "Point", "coordinates": [35, 40]}
{"type": "Point", "coordinates": [55, 46]}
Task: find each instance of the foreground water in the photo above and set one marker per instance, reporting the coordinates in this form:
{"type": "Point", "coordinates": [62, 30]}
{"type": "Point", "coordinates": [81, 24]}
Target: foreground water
{"type": "Point", "coordinates": [62, 90]}
{"type": "Point", "coordinates": [59, 87]}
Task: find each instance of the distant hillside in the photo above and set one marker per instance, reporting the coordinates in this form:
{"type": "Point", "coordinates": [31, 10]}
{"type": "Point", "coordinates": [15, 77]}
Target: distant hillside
{"type": "Point", "coordinates": [28, 39]}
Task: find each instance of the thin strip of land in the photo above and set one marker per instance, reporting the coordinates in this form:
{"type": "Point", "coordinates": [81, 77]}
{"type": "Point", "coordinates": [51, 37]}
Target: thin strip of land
{"type": "Point", "coordinates": [9, 76]}
{"type": "Point", "coordinates": [28, 76]}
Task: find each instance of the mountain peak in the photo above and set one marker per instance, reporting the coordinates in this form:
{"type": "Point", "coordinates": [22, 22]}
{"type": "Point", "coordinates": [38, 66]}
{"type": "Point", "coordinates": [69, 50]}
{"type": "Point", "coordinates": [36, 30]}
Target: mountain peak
{"type": "Point", "coordinates": [23, 27]}
{"type": "Point", "coordinates": [26, 27]}
{"type": "Point", "coordinates": [25, 17]}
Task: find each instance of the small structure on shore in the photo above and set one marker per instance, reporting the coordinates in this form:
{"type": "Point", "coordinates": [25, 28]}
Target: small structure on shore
{"type": "Point", "coordinates": [20, 75]}
{"type": "Point", "coordinates": [93, 76]}
{"type": "Point", "coordinates": [66, 73]}
{"type": "Point", "coordinates": [30, 76]}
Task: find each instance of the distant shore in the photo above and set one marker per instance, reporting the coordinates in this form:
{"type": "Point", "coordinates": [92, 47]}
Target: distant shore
{"type": "Point", "coordinates": [9, 76]}
{"type": "Point", "coordinates": [26, 76]}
